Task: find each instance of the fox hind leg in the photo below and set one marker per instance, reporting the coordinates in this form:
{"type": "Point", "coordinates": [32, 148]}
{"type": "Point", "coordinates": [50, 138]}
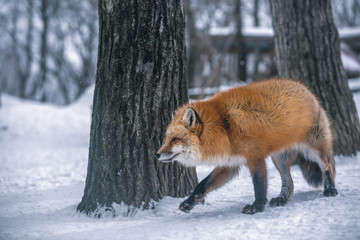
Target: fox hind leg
{"type": "Point", "coordinates": [259, 178]}
{"type": "Point", "coordinates": [217, 178]}
{"type": "Point", "coordinates": [329, 178]}
{"type": "Point", "coordinates": [319, 169]}
{"type": "Point", "coordinates": [319, 138]}
{"type": "Point", "coordinates": [282, 162]}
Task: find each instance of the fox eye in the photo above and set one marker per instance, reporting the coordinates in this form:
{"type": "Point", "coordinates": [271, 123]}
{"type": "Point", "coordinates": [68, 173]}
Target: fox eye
{"type": "Point", "coordinates": [175, 139]}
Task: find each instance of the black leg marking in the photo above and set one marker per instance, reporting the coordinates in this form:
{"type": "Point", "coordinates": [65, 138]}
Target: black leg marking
{"type": "Point", "coordinates": [329, 186]}
{"type": "Point", "coordinates": [260, 188]}
{"type": "Point", "coordinates": [283, 162]}
{"type": "Point", "coordinates": [197, 196]}
{"type": "Point", "coordinates": [286, 190]}
{"type": "Point", "coordinates": [278, 201]}
{"type": "Point", "coordinates": [217, 178]}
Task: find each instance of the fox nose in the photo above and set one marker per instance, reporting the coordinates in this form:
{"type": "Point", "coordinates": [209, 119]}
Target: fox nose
{"type": "Point", "coordinates": [157, 155]}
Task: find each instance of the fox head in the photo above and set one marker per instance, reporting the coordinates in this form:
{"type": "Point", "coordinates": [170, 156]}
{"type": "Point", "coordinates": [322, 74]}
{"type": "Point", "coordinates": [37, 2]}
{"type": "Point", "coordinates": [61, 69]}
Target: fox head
{"type": "Point", "coordinates": [182, 141]}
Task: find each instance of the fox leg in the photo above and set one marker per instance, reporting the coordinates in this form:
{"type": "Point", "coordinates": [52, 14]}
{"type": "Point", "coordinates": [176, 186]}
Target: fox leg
{"type": "Point", "coordinates": [259, 178]}
{"type": "Point", "coordinates": [329, 178]}
{"type": "Point", "coordinates": [319, 138]}
{"type": "Point", "coordinates": [217, 178]}
{"type": "Point", "coordinates": [283, 162]}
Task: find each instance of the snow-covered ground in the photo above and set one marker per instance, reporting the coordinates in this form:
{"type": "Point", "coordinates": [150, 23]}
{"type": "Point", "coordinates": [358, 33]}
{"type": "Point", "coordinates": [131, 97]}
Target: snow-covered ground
{"type": "Point", "coordinates": [43, 156]}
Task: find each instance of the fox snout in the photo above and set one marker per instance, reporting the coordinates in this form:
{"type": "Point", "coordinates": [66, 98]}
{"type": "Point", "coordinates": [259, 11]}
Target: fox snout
{"type": "Point", "coordinates": [166, 157]}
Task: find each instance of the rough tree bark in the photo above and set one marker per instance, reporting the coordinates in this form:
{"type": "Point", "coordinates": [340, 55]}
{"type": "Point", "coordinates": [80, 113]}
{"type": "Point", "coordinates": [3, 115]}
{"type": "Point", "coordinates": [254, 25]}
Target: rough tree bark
{"type": "Point", "coordinates": [140, 81]}
{"type": "Point", "coordinates": [307, 49]}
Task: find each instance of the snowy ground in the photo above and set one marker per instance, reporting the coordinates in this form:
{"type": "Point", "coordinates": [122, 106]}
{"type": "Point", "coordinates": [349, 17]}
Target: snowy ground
{"type": "Point", "coordinates": [43, 156]}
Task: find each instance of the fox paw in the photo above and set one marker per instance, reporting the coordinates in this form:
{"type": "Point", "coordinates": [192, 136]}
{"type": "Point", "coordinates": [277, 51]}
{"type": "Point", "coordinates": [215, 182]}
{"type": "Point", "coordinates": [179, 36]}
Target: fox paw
{"type": "Point", "coordinates": [254, 208]}
{"type": "Point", "coordinates": [278, 201]}
{"type": "Point", "coordinates": [330, 192]}
{"type": "Point", "coordinates": [185, 207]}
{"type": "Point", "coordinates": [189, 203]}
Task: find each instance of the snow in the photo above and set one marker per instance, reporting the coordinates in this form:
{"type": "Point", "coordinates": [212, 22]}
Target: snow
{"type": "Point", "coordinates": [249, 31]}
{"type": "Point", "coordinates": [354, 84]}
{"type": "Point", "coordinates": [349, 59]}
{"type": "Point", "coordinates": [349, 32]}
{"type": "Point", "coordinates": [43, 154]}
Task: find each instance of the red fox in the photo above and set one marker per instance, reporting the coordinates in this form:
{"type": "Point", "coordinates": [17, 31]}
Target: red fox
{"type": "Point", "coordinates": [278, 117]}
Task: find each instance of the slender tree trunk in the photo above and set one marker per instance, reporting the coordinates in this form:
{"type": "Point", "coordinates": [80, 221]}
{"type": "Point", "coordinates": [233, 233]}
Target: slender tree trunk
{"type": "Point", "coordinates": [15, 58]}
{"type": "Point", "coordinates": [140, 81]}
{"type": "Point", "coordinates": [256, 13]}
{"type": "Point", "coordinates": [193, 49]}
{"type": "Point", "coordinates": [28, 50]}
{"type": "Point", "coordinates": [43, 49]}
{"type": "Point", "coordinates": [88, 57]}
{"type": "Point", "coordinates": [58, 73]}
{"type": "Point", "coordinates": [257, 47]}
{"type": "Point", "coordinates": [307, 49]}
{"type": "Point", "coordinates": [240, 41]}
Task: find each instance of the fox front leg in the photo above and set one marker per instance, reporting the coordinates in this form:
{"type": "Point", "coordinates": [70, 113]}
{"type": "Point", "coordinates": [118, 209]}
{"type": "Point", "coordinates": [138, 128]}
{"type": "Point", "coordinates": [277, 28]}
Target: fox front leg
{"type": "Point", "coordinates": [260, 187]}
{"type": "Point", "coordinates": [197, 196]}
{"type": "Point", "coordinates": [191, 201]}
{"type": "Point", "coordinates": [217, 178]}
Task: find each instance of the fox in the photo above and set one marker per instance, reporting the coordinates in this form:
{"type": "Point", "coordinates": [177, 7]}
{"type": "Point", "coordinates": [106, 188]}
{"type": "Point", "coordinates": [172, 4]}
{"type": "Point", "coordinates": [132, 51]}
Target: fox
{"type": "Point", "coordinates": [243, 126]}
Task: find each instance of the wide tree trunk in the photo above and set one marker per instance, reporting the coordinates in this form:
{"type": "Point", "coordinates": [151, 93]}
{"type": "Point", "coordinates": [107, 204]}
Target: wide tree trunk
{"type": "Point", "coordinates": [140, 81]}
{"type": "Point", "coordinates": [307, 49]}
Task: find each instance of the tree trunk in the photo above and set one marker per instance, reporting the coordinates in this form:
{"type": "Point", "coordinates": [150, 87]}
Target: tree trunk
{"type": "Point", "coordinates": [240, 41]}
{"type": "Point", "coordinates": [15, 55]}
{"type": "Point", "coordinates": [39, 86]}
{"type": "Point", "coordinates": [25, 77]}
{"type": "Point", "coordinates": [307, 49]}
{"type": "Point", "coordinates": [256, 13]}
{"type": "Point", "coordinates": [140, 81]}
{"type": "Point", "coordinates": [255, 74]}
{"type": "Point", "coordinates": [193, 48]}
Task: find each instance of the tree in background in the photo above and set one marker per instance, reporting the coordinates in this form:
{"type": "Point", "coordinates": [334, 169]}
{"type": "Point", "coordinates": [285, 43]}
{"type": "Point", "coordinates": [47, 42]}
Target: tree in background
{"type": "Point", "coordinates": [240, 41]}
{"type": "Point", "coordinates": [48, 48]}
{"type": "Point", "coordinates": [307, 49]}
{"type": "Point", "coordinates": [140, 81]}
{"type": "Point", "coordinates": [346, 13]}
{"type": "Point", "coordinates": [193, 42]}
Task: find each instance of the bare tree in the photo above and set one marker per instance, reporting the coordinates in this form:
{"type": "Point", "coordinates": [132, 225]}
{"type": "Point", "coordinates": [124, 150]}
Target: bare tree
{"type": "Point", "coordinates": [45, 15]}
{"type": "Point", "coordinates": [240, 41]}
{"type": "Point", "coordinates": [307, 49]}
{"type": "Point", "coordinates": [256, 13]}
{"type": "Point", "coordinates": [28, 49]}
{"type": "Point", "coordinates": [193, 42]}
{"type": "Point", "coordinates": [52, 56]}
{"type": "Point", "coordinates": [347, 13]}
{"type": "Point", "coordinates": [140, 81]}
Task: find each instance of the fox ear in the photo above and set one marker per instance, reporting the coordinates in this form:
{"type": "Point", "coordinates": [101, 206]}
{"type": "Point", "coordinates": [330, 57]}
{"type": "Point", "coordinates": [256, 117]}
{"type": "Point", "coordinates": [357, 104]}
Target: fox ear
{"type": "Point", "coordinates": [190, 117]}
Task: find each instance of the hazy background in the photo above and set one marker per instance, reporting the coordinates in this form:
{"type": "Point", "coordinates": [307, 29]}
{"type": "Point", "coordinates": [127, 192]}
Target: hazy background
{"type": "Point", "coordinates": [48, 48]}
